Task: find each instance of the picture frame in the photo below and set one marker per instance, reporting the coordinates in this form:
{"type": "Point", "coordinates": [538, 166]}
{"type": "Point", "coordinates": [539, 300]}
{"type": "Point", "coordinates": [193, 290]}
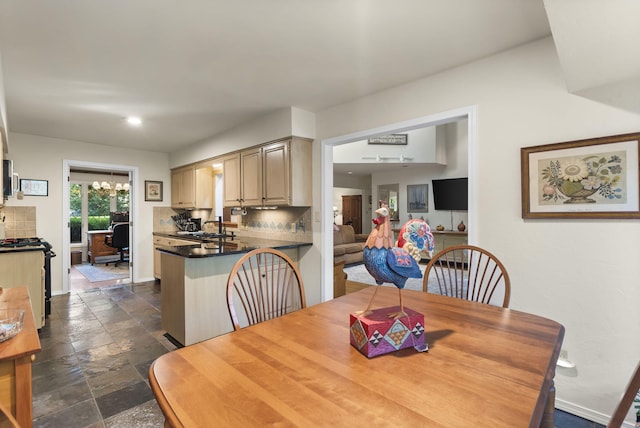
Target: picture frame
{"type": "Point", "coordinates": [417, 198]}
{"type": "Point", "coordinates": [153, 191]}
{"type": "Point", "coordinates": [390, 140]}
{"type": "Point", "coordinates": [30, 187]}
{"type": "Point", "coordinates": [595, 178]}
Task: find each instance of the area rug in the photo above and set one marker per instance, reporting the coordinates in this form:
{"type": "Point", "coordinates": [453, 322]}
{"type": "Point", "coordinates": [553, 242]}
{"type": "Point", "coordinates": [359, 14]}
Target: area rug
{"type": "Point", "coordinates": [99, 273]}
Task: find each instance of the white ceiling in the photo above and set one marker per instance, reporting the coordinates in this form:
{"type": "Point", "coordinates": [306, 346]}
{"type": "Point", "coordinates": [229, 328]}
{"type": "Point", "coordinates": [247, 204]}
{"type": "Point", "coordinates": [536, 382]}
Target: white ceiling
{"type": "Point", "coordinates": [74, 69]}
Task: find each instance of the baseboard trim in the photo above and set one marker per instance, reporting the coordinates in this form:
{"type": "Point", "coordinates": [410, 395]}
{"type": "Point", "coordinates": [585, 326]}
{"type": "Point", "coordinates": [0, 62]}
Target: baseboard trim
{"type": "Point", "coordinates": [585, 413]}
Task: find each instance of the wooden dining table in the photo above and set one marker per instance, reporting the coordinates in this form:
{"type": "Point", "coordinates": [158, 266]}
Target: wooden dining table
{"type": "Point", "coordinates": [486, 366]}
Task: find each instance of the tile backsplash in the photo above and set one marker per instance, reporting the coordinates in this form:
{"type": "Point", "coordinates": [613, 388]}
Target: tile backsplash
{"type": "Point", "coordinates": [287, 224]}
{"type": "Point", "coordinates": [19, 222]}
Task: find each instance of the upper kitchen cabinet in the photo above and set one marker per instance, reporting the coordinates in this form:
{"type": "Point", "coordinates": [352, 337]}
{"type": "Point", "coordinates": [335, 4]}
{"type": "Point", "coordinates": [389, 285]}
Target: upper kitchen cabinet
{"type": "Point", "coordinates": [251, 177]}
{"type": "Point", "coordinates": [276, 173]}
{"type": "Point", "coordinates": [183, 187]}
{"type": "Point", "coordinates": [231, 174]}
{"type": "Point", "coordinates": [204, 186]}
{"type": "Point", "coordinates": [192, 187]}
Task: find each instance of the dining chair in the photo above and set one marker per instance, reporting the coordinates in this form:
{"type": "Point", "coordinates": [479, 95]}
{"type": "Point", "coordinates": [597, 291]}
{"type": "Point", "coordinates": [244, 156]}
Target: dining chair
{"type": "Point", "coordinates": [265, 283]}
{"type": "Point", "coordinates": [468, 272]}
{"type": "Point", "coordinates": [632, 392]}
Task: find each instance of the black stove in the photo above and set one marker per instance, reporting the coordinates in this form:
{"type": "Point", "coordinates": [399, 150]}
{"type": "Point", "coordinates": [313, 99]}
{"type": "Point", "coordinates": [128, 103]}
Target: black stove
{"type": "Point", "coordinates": [35, 243]}
{"type": "Point", "coordinates": [21, 242]}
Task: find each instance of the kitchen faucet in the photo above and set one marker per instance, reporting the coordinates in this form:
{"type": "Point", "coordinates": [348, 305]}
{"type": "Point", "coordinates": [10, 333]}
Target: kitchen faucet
{"type": "Point", "coordinates": [220, 230]}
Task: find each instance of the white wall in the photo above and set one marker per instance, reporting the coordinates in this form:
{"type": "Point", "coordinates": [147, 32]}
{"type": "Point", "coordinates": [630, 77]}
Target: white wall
{"type": "Point", "coordinates": [581, 273]}
{"type": "Point", "coordinates": [279, 124]}
{"type": "Point", "coordinates": [42, 158]}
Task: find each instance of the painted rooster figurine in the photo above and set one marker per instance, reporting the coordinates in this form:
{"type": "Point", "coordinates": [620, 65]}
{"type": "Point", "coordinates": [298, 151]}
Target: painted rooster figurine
{"type": "Point", "coordinates": [389, 263]}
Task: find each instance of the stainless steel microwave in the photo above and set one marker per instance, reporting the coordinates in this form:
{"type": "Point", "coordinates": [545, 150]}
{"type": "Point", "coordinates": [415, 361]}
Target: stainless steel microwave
{"type": "Point", "coordinates": [9, 178]}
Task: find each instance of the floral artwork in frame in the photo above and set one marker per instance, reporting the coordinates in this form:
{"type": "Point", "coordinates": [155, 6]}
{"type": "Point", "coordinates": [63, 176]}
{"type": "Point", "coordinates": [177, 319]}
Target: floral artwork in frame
{"type": "Point", "coordinates": [594, 178]}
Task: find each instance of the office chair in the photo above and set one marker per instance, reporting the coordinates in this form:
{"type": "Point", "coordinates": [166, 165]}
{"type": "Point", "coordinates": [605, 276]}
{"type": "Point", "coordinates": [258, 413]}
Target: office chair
{"type": "Point", "coordinates": [119, 239]}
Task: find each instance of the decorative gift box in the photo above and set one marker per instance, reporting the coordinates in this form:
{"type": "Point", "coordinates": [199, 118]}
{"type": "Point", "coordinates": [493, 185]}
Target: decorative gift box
{"type": "Point", "coordinates": [378, 334]}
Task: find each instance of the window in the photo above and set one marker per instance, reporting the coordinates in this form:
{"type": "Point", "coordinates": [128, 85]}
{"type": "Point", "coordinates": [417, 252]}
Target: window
{"type": "Point", "coordinates": [94, 206]}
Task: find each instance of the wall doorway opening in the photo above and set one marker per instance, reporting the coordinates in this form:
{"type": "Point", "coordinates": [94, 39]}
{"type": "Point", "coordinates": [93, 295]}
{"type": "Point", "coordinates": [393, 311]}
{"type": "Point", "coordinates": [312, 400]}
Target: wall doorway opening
{"type": "Point", "coordinates": [97, 197]}
{"type": "Point", "coordinates": [326, 147]}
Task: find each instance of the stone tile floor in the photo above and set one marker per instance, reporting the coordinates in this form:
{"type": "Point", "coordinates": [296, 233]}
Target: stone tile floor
{"type": "Point", "coordinates": [97, 347]}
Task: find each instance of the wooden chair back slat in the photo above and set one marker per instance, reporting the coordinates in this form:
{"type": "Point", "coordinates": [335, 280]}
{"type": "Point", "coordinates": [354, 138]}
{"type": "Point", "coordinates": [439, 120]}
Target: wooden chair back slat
{"type": "Point", "coordinates": [479, 276]}
{"type": "Point", "coordinates": [266, 284]}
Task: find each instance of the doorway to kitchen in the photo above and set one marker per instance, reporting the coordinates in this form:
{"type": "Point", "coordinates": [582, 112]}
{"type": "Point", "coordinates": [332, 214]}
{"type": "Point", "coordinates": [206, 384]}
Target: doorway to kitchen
{"type": "Point", "coordinates": [99, 204]}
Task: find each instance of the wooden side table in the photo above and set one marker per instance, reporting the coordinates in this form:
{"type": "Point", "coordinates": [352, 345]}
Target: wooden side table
{"type": "Point", "coordinates": [97, 246]}
{"type": "Point", "coordinates": [16, 356]}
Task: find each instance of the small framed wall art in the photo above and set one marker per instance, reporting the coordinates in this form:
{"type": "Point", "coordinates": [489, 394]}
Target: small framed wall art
{"type": "Point", "coordinates": [595, 179]}
{"type": "Point", "coordinates": [417, 198]}
{"type": "Point", "coordinates": [30, 187]}
{"type": "Point", "coordinates": [390, 140]}
{"type": "Point", "coordinates": [153, 191]}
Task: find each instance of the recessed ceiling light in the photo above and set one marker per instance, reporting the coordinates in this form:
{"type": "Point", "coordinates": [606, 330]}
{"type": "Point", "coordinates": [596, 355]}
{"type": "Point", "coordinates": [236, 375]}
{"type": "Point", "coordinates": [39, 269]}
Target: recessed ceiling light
{"type": "Point", "coordinates": [134, 121]}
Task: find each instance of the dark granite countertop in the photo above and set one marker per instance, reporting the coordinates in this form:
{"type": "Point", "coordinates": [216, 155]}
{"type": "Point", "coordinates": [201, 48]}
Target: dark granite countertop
{"type": "Point", "coordinates": [210, 247]}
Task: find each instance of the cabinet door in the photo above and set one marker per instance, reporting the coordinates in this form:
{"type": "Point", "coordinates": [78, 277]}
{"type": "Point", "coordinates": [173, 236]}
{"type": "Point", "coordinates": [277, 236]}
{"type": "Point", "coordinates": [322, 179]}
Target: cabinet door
{"type": "Point", "coordinates": [183, 188]}
{"type": "Point", "coordinates": [157, 268]}
{"type": "Point", "coordinates": [276, 174]}
{"type": "Point", "coordinates": [231, 180]}
{"type": "Point", "coordinates": [251, 182]}
{"type": "Point", "coordinates": [204, 187]}
{"type": "Point", "coordinates": [176, 184]}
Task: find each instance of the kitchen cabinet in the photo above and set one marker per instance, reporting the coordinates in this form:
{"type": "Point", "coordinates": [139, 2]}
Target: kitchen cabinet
{"type": "Point", "coordinates": [25, 268]}
{"type": "Point", "coordinates": [97, 247]}
{"type": "Point", "coordinates": [192, 187]}
{"type": "Point", "coordinates": [194, 295]}
{"type": "Point", "coordinates": [183, 187]}
{"type": "Point", "coordinates": [276, 173]}
{"type": "Point", "coordinates": [231, 181]}
{"type": "Point", "coordinates": [251, 177]}
{"type": "Point", "coordinates": [163, 241]}
{"type": "Point", "coordinates": [16, 357]}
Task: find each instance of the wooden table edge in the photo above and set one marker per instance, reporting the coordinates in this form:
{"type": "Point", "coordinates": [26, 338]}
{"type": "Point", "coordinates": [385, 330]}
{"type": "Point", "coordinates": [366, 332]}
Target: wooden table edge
{"type": "Point", "coordinates": [170, 417]}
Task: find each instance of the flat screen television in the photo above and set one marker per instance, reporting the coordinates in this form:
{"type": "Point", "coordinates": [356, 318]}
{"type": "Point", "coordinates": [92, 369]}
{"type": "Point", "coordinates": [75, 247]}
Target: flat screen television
{"type": "Point", "coordinates": [451, 194]}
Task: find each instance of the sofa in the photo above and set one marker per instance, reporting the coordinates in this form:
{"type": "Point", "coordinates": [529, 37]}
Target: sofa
{"type": "Point", "coordinates": [347, 245]}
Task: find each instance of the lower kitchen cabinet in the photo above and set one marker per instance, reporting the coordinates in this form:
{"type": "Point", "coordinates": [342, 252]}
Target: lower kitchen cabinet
{"type": "Point", "coordinates": [163, 241]}
{"type": "Point", "coordinates": [25, 268]}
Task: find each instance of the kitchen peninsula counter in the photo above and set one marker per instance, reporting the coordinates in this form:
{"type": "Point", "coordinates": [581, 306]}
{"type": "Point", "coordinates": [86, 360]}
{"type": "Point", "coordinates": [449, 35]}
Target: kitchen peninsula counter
{"type": "Point", "coordinates": [212, 247]}
{"type": "Point", "coordinates": [194, 280]}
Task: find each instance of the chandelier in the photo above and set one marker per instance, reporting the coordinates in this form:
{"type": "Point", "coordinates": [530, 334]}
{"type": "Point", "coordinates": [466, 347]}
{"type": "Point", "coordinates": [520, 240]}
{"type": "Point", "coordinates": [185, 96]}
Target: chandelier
{"type": "Point", "coordinates": [111, 186]}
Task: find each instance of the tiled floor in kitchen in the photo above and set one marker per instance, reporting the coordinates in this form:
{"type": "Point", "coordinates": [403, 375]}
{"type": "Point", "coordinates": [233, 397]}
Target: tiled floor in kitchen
{"type": "Point", "coordinates": [97, 346]}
